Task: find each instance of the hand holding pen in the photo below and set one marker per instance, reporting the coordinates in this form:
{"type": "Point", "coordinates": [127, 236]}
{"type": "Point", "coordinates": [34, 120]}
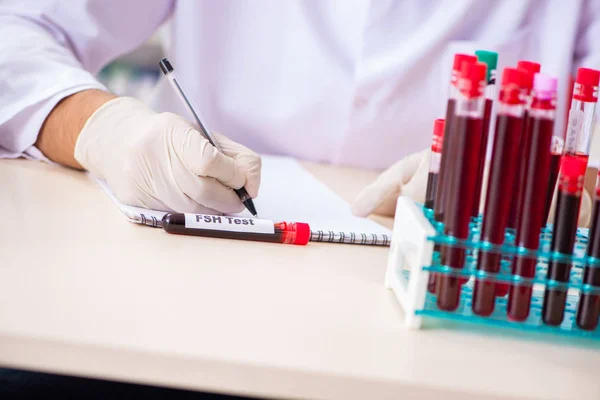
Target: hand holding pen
{"type": "Point", "coordinates": [169, 72]}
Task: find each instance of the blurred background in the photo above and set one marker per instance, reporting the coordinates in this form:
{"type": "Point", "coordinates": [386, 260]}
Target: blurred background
{"type": "Point", "coordinates": [135, 74]}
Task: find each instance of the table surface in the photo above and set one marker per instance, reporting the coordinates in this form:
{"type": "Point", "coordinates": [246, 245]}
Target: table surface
{"type": "Point", "coordinates": [84, 292]}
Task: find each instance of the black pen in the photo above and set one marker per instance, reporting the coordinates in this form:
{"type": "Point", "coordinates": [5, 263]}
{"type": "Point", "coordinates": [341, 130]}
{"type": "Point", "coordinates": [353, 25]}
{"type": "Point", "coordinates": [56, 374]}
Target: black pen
{"type": "Point", "coordinates": [167, 69]}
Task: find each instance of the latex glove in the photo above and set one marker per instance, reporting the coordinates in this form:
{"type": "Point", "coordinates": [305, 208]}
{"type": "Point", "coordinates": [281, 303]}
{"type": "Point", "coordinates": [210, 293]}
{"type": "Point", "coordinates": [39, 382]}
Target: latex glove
{"type": "Point", "coordinates": [408, 177]}
{"type": "Point", "coordinates": [160, 161]}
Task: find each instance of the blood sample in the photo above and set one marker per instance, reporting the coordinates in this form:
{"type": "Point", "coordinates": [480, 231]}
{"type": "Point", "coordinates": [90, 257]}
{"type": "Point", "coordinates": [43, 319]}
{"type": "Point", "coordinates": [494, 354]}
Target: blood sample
{"type": "Point", "coordinates": [448, 141]}
{"type": "Point", "coordinates": [537, 163]}
{"type": "Point", "coordinates": [558, 144]}
{"type": "Point", "coordinates": [434, 162]}
{"type": "Point", "coordinates": [589, 303]}
{"type": "Point", "coordinates": [490, 58]}
{"type": "Point", "coordinates": [529, 69]}
{"type": "Point", "coordinates": [448, 144]}
{"type": "Point", "coordinates": [509, 124]}
{"type": "Point", "coordinates": [570, 186]}
{"type": "Point", "coordinates": [225, 227]}
{"type": "Point", "coordinates": [468, 120]}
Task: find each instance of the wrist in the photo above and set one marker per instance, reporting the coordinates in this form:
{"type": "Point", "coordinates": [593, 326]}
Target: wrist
{"type": "Point", "coordinates": [109, 131]}
{"type": "Point", "coordinates": [57, 136]}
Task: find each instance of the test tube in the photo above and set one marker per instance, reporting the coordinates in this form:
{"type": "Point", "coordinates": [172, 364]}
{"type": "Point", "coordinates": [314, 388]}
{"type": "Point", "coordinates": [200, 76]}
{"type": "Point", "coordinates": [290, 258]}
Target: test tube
{"type": "Point", "coordinates": [448, 145]}
{"type": "Point", "coordinates": [226, 227]}
{"type": "Point", "coordinates": [490, 58]}
{"type": "Point", "coordinates": [529, 69]}
{"type": "Point", "coordinates": [589, 303]}
{"type": "Point", "coordinates": [434, 162]}
{"type": "Point", "coordinates": [432, 181]}
{"type": "Point", "coordinates": [448, 140]}
{"type": "Point", "coordinates": [558, 145]}
{"type": "Point", "coordinates": [537, 163]}
{"type": "Point", "coordinates": [570, 185]}
{"type": "Point", "coordinates": [468, 121]}
{"type": "Point", "coordinates": [503, 171]}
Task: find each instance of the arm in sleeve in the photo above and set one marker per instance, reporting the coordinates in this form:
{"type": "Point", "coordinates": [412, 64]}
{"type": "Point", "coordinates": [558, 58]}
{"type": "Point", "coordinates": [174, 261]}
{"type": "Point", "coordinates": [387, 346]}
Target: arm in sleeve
{"type": "Point", "coordinates": [50, 49]}
{"type": "Point", "coordinates": [587, 46]}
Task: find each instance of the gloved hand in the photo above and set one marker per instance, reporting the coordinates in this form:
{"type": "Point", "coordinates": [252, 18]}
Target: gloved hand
{"type": "Point", "coordinates": [160, 161]}
{"type": "Point", "coordinates": [408, 177]}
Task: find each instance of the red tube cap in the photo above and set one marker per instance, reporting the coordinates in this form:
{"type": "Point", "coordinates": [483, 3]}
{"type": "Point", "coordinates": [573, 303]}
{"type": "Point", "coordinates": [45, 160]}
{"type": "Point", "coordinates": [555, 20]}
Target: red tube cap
{"type": "Point", "coordinates": [529, 69]}
{"type": "Point", "coordinates": [438, 135]}
{"type": "Point", "coordinates": [510, 90]}
{"type": "Point", "coordinates": [438, 127]}
{"type": "Point", "coordinates": [460, 58]}
{"type": "Point", "coordinates": [526, 80]}
{"type": "Point", "coordinates": [529, 66]}
{"type": "Point", "coordinates": [474, 72]}
{"type": "Point", "coordinates": [588, 77]}
{"type": "Point", "coordinates": [302, 233]}
{"type": "Point", "coordinates": [586, 88]}
{"type": "Point", "coordinates": [471, 78]}
{"type": "Point", "coordinates": [512, 76]}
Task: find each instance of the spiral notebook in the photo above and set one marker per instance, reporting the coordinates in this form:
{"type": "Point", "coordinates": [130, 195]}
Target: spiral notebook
{"type": "Point", "coordinates": [289, 192]}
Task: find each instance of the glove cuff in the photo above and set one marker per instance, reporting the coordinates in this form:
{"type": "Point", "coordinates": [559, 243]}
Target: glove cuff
{"type": "Point", "coordinates": [107, 130]}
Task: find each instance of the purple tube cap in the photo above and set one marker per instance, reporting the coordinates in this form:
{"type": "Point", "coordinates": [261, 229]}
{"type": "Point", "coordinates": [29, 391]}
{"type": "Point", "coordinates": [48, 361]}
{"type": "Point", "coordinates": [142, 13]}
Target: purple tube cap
{"type": "Point", "coordinates": [544, 85]}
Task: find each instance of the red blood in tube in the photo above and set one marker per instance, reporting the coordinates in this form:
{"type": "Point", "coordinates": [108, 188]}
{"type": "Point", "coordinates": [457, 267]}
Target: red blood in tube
{"type": "Point", "coordinates": [467, 123]}
{"type": "Point", "coordinates": [497, 207]}
{"type": "Point", "coordinates": [468, 137]}
{"type": "Point", "coordinates": [573, 168]}
{"type": "Point", "coordinates": [553, 176]}
{"type": "Point", "coordinates": [528, 70]}
{"type": "Point", "coordinates": [434, 164]}
{"type": "Point", "coordinates": [487, 114]}
{"type": "Point", "coordinates": [538, 163]}
{"type": "Point", "coordinates": [509, 125]}
{"type": "Point", "coordinates": [589, 303]}
{"type": "Point", "coordinates": [524, 147]}
{"type": "Point", "coordinates": [449, 144]}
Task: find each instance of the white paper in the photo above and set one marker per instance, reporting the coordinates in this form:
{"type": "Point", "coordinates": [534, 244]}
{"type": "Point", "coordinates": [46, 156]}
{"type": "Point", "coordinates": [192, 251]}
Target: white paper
{"type": "Point", "coordinates": [288, 192]}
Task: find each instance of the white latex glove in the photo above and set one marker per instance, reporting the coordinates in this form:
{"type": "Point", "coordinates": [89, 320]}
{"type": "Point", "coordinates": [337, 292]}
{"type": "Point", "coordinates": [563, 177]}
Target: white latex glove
{"type": "Point", "coordinates": [408, 177]}
{"type": "Point", "coordinates": [160, 161]}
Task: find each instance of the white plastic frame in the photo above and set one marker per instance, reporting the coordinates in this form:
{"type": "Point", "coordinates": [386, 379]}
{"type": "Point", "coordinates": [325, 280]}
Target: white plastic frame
{"type": "Point", "coordinates": [409, 250]}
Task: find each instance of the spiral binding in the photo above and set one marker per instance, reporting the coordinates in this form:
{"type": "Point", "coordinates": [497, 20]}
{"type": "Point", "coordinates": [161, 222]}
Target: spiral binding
{"type": "Point", "coordinates": [152, 221]}
{"type": "Point", "coordinates": [350, 238]}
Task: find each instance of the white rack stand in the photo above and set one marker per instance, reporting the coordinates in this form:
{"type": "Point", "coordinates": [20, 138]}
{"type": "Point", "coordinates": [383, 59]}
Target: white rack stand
{"type": "Point", "coordinates": [409, 251]}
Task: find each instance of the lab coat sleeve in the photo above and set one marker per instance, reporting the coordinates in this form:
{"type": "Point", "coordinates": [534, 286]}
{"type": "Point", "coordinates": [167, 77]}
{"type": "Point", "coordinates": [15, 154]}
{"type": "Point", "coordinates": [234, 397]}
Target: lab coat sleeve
{"type": "Point", "coordinates": [50, 49]}
{"type": "Point", "coordinates": [587, 47]}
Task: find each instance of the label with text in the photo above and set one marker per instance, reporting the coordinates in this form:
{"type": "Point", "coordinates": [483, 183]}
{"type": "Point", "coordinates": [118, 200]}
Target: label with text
{"type": "Point", "coordinates": [231, 224]}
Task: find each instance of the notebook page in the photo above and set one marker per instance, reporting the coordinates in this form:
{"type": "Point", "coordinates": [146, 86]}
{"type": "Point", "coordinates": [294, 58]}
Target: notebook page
{"type": "Point", "coordinates": [288, 192]}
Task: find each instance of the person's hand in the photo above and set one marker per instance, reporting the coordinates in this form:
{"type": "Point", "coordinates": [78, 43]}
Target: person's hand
{"type": "Point", "coordinates": [160, 161]}
{"type": "Point", "coordinates": [408, 177]}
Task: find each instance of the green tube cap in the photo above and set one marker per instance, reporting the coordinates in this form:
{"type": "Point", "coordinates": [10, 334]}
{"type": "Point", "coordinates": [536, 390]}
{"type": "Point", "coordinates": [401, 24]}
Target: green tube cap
{"type": "Point", "coordinates": [490, 58]}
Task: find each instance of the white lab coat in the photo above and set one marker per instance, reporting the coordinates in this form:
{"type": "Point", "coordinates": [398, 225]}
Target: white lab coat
{"type": "Point", "coordinates": [353, 82]}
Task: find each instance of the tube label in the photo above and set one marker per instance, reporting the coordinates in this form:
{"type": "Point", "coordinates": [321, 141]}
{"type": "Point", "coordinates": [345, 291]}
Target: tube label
{"type": "Point", "coordinates": [436, 160]}
{"type": "Point", "coordinates": [231, 224]}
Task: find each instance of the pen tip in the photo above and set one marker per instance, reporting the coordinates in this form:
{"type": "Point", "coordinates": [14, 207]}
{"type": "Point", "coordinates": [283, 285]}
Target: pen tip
{"type": "Point", "coordinates": [255, 215]}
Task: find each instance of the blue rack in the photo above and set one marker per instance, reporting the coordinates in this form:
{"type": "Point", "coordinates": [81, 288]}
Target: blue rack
{"type": "Point", "coordinates": [412, 259]}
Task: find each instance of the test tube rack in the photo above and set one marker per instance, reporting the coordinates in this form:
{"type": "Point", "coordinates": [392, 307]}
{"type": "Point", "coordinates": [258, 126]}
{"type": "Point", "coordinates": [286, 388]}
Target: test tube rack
{"type": "Point", "coordinates": [412, 258]}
